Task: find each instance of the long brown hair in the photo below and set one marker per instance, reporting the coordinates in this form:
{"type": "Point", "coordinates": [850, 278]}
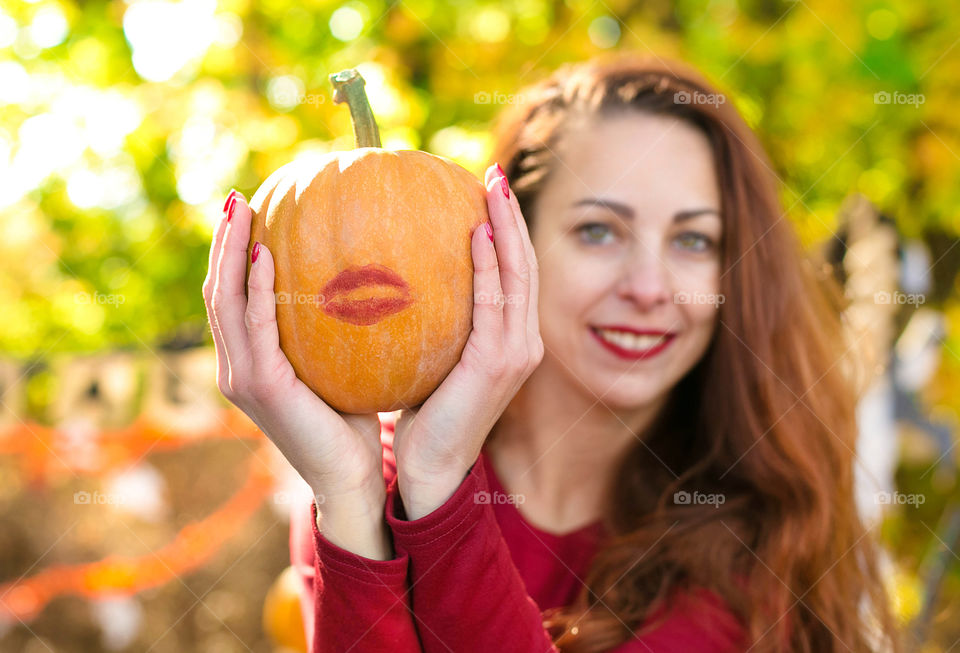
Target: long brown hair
{"type": "Point", "coordinates": [766, 418]}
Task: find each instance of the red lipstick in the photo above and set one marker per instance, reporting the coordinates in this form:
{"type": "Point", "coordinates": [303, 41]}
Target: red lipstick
{"type": "Point", "coordinates": [371, 310]}
{"type": "Point", "coordinates": [631, 354]}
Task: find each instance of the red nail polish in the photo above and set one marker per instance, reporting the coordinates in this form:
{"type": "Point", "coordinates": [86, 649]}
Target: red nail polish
{"type": "Point", "coordinates": [226, 202]}
{"type": "Point", "coordinates": [489, 230]}
{"type": "Point", "coordinates": [256, 252]}
{"type": "Point", "coordinates": [500, 171]}
{"type": "Point", "coordinates": [505, 187]}
{"type": "Point", "coordinates": [233, 202]}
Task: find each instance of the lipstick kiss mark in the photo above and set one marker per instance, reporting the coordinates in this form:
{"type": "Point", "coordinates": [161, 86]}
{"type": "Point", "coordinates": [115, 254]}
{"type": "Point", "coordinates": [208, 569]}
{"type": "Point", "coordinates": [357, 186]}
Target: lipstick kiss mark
{"type": "Point", "coordinates": [371, 310]}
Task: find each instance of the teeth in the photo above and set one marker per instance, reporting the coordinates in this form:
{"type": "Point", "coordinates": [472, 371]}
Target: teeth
{"type": "Point", "coordinates": [630, 340]}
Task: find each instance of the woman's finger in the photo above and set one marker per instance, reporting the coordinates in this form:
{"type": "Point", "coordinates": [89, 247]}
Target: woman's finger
{"type": "Point", "coordinates": [230, 293]}
{"type": "Point", "coordinates": [514, 271]}
{"type": "Point", "coordinates": [493, 173]}
{"type": "Point", "coordinates": [534, 342]}
{"type": "Point", "coordinates": [533, 316]}
{"type": "Point", "coordinates": [208, 285]}
{"type": "Point", "coordinates": [487, 292]}
{"type": "Point", "coordinates": [268, 363]}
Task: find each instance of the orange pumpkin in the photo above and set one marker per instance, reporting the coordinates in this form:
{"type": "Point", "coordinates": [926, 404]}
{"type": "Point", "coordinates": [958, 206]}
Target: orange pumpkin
{"type": "Point", "coordinates": [374, 275]}
{"type": "Point", "coordinates": [282, 618]}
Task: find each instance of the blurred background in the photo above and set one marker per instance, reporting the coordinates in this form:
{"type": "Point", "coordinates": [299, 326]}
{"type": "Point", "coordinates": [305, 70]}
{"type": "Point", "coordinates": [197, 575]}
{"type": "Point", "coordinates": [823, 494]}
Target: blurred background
{"type": "Point", "coordinates": [138, 512]}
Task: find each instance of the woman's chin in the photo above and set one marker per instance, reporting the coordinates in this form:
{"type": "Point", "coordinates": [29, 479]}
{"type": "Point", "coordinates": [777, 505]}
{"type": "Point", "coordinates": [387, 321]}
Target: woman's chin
{"type": "Point", "coordinates": [626, 396]}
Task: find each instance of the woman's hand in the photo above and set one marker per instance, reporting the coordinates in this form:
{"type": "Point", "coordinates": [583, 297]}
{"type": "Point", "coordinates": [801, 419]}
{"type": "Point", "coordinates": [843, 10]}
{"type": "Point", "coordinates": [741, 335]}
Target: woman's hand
{"type": "Point", "coordinates": [436, 444]}
{"type": "Point", "coordinates": [338, 455]}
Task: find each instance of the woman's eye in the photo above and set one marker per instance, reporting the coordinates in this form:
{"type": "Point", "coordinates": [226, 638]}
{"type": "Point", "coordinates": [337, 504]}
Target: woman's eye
{"type": "Point", "coordinates": [694, 241]}
{"type": "Point", "coordinates": [595, 233]}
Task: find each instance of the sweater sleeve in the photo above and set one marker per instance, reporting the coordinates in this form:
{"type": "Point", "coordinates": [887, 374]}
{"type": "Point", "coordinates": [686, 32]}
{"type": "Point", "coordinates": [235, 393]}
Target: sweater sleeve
{"type": "Point", "coordinates": [467, 591]}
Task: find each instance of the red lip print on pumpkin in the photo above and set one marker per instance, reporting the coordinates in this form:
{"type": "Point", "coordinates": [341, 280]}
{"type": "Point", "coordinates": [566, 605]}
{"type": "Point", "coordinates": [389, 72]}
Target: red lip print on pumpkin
{"type": "Point", "coordinates": [370, 310]}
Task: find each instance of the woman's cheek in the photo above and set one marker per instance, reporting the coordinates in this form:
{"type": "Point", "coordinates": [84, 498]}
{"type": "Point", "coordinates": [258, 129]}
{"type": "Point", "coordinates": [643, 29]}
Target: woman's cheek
{"type": "Point", "coordinates": [696, 289]}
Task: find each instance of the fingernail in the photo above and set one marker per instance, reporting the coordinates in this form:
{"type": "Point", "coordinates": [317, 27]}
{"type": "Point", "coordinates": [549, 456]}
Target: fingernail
{"type": "Point", "coordinates": [489, 230]}
{"type": "Point", "coordinates": [230, 205]}
{"type": "Point", "coordinates": [226, 202]}
{"type": "Point", "coordinates": [256, 252]}
{"type": "Point", "coordinates": [503, 182]}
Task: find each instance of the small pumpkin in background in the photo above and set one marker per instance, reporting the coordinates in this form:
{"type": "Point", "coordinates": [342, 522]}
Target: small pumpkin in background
{"type": "Point", "coordinates": [374, 273]}
{"type": "Point", "coordinates": [282, 616]}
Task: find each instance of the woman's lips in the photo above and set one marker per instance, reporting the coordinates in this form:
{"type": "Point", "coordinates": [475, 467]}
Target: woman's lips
{"type": "Point", "coordinates": [372, 309]}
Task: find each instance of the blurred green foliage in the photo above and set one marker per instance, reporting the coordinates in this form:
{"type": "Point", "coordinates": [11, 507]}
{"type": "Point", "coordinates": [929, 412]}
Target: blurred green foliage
{"type": "Point", "coordinates": [124, 125]}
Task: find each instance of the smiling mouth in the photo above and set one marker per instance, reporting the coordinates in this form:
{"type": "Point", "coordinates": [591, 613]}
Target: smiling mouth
{"type": "Point", "coordinates": [365, 295]}
{"type": "Point", "coordinates": [632, 346]}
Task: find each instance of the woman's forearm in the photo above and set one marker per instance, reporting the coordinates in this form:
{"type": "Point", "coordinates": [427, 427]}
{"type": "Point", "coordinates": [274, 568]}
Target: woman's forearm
{"type": "Point", "coordinates": [421, 497]}
{"type": "Point", "coordinates": [356, 524]}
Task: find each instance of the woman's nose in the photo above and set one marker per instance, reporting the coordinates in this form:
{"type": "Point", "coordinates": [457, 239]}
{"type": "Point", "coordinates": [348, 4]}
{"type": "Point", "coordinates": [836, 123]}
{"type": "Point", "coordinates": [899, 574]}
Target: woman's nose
{"type": "Point", "coordinates": [644, 279]}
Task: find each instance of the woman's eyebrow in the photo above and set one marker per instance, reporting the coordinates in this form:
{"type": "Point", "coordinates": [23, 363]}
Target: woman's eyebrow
{"type": "Point", "coordinates": [627, 213]}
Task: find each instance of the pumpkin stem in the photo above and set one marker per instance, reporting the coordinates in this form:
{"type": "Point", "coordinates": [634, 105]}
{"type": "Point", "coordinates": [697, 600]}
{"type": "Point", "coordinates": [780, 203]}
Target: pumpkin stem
{"type": "Point", "coordinates": [348, 87]}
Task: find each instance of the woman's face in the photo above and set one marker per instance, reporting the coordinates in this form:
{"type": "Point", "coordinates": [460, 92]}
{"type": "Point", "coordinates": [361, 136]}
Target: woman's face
{"type": "Point", "coordinates": [627, 231]}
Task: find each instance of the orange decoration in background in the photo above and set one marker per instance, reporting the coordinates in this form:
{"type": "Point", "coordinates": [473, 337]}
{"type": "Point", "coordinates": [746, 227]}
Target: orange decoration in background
{"type": "Point", "coordinates": [42, 447]}
{"type": "Point", "coordinates": [196, 543]}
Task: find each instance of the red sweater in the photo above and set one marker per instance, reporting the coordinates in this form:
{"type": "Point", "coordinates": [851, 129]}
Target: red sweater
{"type": "Point", "coordinates": [470, 576]}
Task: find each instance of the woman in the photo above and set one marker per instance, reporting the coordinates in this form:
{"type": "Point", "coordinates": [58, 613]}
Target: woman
{"type": "Point", "coordinates": [647, 446]}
